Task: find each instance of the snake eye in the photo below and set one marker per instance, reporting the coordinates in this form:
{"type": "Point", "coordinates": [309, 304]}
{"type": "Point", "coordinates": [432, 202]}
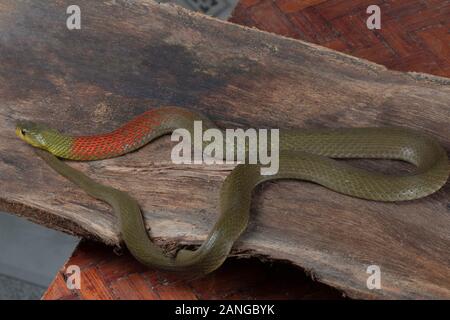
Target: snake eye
{"type": "Point", "coordinates": [23, 131]}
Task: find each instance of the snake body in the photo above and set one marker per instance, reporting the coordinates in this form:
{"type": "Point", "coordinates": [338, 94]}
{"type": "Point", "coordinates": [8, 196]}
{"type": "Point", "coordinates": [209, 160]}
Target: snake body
{"type": "Point", "coordinates": [304, 155]}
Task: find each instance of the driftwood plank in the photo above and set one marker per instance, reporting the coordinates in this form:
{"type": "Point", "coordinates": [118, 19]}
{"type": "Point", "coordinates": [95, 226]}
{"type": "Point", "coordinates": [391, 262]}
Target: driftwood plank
{"type": "Point", "coordinates": [130, 56]}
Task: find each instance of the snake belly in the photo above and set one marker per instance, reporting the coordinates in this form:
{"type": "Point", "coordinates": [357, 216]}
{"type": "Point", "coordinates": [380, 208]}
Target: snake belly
{"type": "Point", "coordinates": [304, 155]}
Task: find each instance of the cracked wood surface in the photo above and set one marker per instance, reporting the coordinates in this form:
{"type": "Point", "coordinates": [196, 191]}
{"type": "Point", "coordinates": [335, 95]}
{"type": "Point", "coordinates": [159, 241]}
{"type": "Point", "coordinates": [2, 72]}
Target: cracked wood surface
{"type": "Point", "coordinates": [130, 56]}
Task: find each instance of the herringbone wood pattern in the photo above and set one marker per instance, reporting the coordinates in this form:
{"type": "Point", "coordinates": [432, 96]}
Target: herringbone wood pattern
{"type": "Point", "coordinates": [414, 34]}
{"type": "Point", "coordinates": [105, 275]}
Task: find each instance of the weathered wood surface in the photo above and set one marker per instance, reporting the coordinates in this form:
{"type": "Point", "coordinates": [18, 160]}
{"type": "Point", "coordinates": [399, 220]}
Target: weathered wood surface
{"type": "Point", "coordinates": [131, 56]}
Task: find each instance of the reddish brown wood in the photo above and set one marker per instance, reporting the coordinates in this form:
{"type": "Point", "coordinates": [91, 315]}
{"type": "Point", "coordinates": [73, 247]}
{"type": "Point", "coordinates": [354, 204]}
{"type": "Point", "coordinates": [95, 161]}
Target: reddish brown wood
{"type": "Point", "coordinates": [414, 34]}
{"type": "Point", "coordinates": [105, 275]}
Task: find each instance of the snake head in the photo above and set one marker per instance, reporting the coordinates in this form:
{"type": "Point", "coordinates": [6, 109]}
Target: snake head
{"type": "Point", "coordinates": [35, 134]}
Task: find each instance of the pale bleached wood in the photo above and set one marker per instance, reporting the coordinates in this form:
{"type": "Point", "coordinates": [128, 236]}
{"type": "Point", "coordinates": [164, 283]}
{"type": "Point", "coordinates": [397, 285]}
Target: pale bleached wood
{"type": "Point", "coordinates": [130, 56]}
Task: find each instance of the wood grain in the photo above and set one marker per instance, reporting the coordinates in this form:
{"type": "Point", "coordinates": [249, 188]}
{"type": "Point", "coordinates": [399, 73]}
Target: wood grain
{"type": "Point", "coordinates": [413, 36]}
{"type": "Point", "coordinates": [123, 278]}
{"type": "Point", "coordinates": [130, 57]}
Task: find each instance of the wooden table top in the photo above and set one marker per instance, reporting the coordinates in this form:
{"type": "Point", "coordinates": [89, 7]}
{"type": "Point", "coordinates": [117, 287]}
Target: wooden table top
{"type": "Point", "coordinates": [414, 36]}
{"type": "Point", "coordinates": [106, 275]}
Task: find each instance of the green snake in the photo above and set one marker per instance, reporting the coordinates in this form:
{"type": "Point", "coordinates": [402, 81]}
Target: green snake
{"type": "Point", "coordinates": [303, 155]}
